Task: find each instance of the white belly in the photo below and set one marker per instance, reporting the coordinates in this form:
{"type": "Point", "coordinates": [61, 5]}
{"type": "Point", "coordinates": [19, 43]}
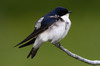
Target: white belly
{"type": "Point", "coordinates": [56, 32]}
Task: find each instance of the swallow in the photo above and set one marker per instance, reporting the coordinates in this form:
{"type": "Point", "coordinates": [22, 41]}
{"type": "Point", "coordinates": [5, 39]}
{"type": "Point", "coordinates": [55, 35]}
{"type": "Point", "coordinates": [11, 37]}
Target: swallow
{"type": "Point", "coordinates": [52, 27]}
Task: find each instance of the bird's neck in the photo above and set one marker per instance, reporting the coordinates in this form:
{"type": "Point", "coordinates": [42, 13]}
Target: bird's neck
{"type": "Point", "coordinates": [66, 18]}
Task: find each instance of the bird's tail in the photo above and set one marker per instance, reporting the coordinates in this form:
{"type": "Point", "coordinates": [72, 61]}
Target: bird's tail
{"type": "Point", "coordinates": [32, 52]}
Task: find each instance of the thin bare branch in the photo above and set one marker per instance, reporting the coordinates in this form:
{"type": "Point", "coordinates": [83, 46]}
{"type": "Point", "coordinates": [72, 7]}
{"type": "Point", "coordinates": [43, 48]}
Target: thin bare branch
{"type": "Point", "coordinates": [92, 62]}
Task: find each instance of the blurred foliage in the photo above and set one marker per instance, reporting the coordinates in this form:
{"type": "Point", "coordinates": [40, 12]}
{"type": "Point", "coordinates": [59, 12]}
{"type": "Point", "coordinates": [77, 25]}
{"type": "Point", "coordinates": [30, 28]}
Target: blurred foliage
{"type": "Point", "coordinates": [17, 18]}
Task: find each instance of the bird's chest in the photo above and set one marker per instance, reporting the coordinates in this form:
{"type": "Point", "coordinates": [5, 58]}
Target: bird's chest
{"type": "Point", "coordinates": [57, 30]}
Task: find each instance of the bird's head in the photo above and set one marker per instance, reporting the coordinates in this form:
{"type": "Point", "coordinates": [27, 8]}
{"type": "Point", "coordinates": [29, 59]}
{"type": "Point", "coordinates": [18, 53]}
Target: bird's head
{"type": "Point", "coordinates": [60, 11]}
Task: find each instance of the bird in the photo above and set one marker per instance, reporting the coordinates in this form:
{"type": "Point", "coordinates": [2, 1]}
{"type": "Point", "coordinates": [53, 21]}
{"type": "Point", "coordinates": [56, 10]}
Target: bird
{"type": "Point", "coordinates": [52, 27]}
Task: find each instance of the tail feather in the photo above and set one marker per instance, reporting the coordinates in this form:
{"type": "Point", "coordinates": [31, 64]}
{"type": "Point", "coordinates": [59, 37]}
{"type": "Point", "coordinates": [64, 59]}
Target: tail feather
{"type": "Point", "coordinates": [28, 43]}
{"type": "Point", "coordinates": [27, 38]}
{"type": "Point", "coordinates": [32, 52]}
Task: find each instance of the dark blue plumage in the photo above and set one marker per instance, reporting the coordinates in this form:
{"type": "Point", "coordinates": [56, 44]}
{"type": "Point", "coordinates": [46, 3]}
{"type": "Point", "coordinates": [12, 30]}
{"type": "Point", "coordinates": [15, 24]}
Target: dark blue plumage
{"type": "Point", "coordinates": [60, 11]}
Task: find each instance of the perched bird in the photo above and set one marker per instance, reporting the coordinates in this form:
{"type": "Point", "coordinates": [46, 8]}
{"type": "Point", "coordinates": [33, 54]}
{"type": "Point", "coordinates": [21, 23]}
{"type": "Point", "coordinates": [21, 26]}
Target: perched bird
{"type": "Point", "coordinates": [52, 27]}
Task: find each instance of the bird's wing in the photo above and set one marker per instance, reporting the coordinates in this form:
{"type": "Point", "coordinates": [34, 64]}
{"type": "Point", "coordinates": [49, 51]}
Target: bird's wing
{"type": "Point", "coordinates": [40, 27]}
{"type": "Point", "coordinates": [38, 23]}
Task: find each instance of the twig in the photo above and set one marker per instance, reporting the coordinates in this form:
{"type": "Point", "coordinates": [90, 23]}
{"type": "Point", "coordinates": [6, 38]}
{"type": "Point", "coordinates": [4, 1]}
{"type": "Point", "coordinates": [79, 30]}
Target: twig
{"type": "Point", "coordinates": [92, 62]}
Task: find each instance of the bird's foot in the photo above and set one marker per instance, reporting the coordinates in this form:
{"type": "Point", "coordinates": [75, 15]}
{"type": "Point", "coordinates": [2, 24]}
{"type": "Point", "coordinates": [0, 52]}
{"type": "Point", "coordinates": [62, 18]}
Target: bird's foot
{"type": "Point", "coordinates": [57, 44]}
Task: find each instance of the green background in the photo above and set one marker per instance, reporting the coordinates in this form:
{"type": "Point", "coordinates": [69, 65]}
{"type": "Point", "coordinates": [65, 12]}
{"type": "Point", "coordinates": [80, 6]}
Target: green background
{"type": "Point", "coordinates": [17, 19]}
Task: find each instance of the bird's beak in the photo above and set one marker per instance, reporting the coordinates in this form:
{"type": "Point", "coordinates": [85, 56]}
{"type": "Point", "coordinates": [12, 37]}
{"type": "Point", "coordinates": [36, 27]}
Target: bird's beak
{"type": "Point", "coordinates": [69, 11]}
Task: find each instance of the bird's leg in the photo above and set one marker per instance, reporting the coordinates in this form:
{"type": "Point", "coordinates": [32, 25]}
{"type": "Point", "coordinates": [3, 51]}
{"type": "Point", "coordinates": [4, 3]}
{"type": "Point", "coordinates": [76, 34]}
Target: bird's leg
{"type": "Point", "coordinates": [57, 44]}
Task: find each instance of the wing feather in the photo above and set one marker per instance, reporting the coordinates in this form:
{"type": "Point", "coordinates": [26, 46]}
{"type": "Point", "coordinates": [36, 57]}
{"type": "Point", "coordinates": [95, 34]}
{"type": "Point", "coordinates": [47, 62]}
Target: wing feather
{"type": "Point", "coordinates": [41, 26]}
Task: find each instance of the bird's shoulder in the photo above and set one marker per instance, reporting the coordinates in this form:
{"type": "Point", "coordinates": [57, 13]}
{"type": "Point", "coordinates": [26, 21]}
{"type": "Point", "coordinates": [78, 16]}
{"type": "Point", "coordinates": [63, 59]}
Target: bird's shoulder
{"type": "Point", "coordinates": [38, 23]}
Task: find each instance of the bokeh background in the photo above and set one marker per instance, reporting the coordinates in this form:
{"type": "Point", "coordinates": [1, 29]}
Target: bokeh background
{"type": "Point", "coordinates": [17, 19]}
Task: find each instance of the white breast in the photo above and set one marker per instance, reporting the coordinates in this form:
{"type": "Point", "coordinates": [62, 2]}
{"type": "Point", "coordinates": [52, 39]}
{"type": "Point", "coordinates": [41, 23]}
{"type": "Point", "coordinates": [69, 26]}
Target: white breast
{"type": "Point", "coordinates": [68, 24]}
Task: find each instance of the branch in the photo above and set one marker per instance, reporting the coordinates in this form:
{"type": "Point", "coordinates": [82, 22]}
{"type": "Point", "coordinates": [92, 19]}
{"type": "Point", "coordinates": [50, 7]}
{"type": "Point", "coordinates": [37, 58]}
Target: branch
{"type": "Point", "coordinates": [92, 62]}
